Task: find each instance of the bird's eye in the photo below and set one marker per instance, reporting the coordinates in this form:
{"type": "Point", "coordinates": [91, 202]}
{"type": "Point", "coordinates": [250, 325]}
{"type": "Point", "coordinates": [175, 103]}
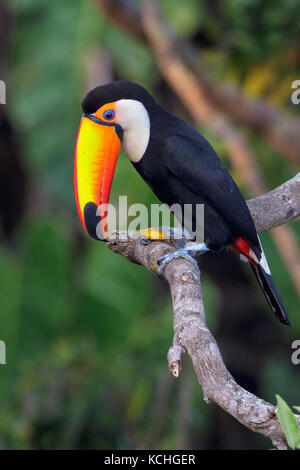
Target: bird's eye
{"type": "Point", "coordinates": [109, 114]}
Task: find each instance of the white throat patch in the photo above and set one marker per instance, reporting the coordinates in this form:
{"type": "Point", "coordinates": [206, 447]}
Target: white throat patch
{"type": "Point", "coordinates": [135, 122]}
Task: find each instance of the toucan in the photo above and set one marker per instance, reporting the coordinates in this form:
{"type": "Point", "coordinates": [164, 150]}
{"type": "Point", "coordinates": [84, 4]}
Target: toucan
{"type": "Point", "coordinates": [178, 164]}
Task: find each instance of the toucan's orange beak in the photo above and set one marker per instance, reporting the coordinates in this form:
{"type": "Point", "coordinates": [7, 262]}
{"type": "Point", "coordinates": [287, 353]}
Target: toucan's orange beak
{"type": "Point", "coordinates": [96, 153]}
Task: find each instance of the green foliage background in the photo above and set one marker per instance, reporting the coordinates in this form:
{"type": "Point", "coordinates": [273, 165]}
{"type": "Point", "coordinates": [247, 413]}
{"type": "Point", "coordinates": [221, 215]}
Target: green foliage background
{"type": "Point", "coordinates": [86, 331]}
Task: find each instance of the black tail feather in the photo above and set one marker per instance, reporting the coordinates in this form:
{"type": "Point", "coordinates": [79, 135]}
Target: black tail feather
{"type": "Point", "coordinates": [271, 293]}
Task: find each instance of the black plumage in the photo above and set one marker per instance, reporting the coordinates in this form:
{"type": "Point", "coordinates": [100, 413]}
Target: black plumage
{"type": "Point", "coordinates": [187, 170]}
{"type": "Point", "coordinates": [181, 166]}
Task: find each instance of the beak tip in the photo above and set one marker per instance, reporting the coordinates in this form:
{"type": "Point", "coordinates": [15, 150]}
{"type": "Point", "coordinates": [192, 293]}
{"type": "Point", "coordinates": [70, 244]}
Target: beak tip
{"type": "Point", "coordinates": [91, 220]}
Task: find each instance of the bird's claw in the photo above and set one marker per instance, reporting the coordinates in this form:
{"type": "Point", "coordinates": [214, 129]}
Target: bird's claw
{"type": "Point", "coordinates": [164, 260]}
{"type": "Point", "coordinates": [144, 241]}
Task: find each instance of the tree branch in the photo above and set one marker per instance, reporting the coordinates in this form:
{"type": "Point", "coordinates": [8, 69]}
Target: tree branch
{"type": "Point", "coordinates": [276, 207]}
{"type": "Point", "coordinates": [125, 14]}
{"type": "Point", "coordinates": [191, 333]}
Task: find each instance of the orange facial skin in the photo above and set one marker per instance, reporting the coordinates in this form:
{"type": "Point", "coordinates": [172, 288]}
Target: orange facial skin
{"type": "Point", "coordinates": [99, 113]}
{"type": "Point", "coordinates": [96, 153]}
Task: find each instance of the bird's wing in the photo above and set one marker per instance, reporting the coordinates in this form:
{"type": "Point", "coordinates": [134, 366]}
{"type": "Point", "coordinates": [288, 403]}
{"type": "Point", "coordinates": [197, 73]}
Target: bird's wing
{"type": "Point", "coordinates": [194, 162]}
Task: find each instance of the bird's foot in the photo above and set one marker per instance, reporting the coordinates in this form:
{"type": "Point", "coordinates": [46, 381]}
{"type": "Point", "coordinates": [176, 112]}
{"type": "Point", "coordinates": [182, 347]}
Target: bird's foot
{"type": "Point", "coordinates": [166, 234]}
{"type": "Point", "coordinates": [186, 253]}
{"type": "Point", "coordinates": [164, 260]}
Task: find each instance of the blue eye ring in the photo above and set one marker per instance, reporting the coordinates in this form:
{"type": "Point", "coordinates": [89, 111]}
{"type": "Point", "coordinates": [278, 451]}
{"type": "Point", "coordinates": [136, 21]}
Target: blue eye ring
{"type": "Point", "coordinates": [109, 114]}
